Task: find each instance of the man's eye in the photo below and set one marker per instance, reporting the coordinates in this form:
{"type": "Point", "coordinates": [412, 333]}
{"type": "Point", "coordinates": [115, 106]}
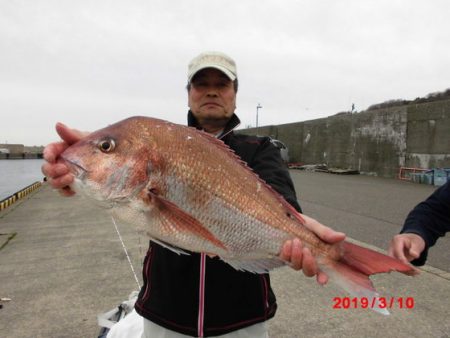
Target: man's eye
{"type": "Point", "coordinates": [200, 84]}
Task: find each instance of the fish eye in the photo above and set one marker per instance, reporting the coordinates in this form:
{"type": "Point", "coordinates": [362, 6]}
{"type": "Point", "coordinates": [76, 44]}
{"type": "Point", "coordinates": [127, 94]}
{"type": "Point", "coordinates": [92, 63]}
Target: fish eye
{"type": "Point", "coordinates": [107, 146]}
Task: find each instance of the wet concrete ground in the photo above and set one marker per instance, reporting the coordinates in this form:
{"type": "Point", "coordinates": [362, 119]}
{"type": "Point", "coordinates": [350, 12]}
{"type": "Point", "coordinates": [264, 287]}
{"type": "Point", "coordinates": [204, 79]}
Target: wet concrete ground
{"type": "Point", "coordinates": [65, 264]}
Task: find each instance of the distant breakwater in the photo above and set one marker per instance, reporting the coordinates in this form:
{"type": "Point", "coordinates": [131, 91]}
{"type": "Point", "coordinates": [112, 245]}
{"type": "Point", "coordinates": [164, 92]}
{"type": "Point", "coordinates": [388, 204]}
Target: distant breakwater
{"type": "Point", "coordinates": [21, 156]}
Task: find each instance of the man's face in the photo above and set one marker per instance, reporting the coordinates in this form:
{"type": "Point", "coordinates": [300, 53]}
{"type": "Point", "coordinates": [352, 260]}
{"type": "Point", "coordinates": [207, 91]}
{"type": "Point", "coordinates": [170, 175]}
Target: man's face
{"type": "Point", "coordinates": [212, 98]}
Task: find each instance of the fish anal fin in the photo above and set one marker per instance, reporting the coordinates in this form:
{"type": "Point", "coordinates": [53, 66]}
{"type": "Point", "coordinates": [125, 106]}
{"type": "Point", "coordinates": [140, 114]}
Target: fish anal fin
{"type": "Point", "coordinates": [262, 265]}
{"type": "Point", "coordinates": [176, 219]}
{"type": "Point", "coordinates": [170, 247]}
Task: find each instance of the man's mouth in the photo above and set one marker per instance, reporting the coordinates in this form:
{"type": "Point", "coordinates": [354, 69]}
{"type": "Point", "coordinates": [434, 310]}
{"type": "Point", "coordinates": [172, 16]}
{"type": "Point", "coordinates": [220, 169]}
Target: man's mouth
{"type": "Point", "coordinates": [211, 104]}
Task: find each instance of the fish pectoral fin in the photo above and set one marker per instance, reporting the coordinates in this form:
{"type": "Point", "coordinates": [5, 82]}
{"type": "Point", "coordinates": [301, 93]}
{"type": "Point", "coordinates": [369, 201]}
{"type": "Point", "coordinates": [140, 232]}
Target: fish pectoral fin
{"type": "Point", "coordinates": [261, 265]}
{"type": "Point", "coordinates": [176, 219]}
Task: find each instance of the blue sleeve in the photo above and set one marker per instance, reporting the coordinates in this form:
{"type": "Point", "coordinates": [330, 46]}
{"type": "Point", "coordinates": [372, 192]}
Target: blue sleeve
{"type": "Point", "coordinates": [430, 219]}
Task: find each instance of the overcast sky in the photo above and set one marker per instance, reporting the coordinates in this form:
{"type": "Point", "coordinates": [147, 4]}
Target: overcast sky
{"type": "Point", "coordinates": [91, 63]}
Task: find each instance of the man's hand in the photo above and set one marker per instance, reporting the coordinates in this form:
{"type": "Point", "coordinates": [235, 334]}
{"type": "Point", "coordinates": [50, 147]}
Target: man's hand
{"type": "Point", "coordinates": [58, 174]}
{"type": "Point", "coordinates": [300, 257]}
{"type": "Point", "coordinates": [406, 247]}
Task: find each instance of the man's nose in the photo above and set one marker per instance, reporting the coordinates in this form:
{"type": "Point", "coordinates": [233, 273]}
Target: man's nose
{"type": "Point", "coordinates": [212, 91]}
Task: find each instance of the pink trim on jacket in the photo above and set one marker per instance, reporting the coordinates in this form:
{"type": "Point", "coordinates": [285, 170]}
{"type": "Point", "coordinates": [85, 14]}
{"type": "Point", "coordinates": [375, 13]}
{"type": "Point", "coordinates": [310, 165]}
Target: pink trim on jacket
{"type": "Point", "coordinates": [147, 268]}
{"type": "Point", "coordinates": [201, 295]}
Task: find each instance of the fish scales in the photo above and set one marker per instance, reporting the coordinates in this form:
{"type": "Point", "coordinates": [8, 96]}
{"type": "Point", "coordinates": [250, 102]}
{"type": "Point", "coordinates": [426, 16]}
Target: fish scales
{"type": "Point", "coordinates": [246, 214]}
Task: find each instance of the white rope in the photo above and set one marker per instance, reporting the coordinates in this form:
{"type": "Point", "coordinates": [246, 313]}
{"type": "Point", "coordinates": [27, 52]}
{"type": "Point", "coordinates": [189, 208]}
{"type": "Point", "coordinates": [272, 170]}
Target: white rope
{"type": "Point", "coordinates": [126, 253]}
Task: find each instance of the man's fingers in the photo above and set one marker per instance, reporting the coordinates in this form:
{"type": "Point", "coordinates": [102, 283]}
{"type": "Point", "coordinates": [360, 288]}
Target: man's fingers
{"type": "Point", "coordinates": [309, 265]}
{"type": "Point", "coordinates": [285, 253]}
{"type": "Point", "coordinates": [66, 191]}
{"type": "Point", "coordinates": [292, 252]}
{"type": "Point", "coordinates": [297, 254]}
{"type": "Point", "coordinates": [414, 252]}
{"type": "Point", "coordinates": [52, 151]}
{"type": "Point", "coordinates": [406, 247]}
{"type": "Point", "coordinates": [54, 169]}
{"type": "Point", "coordinates": [70, 136]}
{"type": "Point", "coordinates": [399, 248]}
{"type": "Point", "coordinates": [322, 278]}
{"type": "Point", "coordinates": [61, 181]}
{"type": "Point", "coordinates": [301, 257]}
{"type": "Point", "coordinates": [391, 249]}
{"type": "Point", "coordinates": [402, 253]}
{"type": "Point", "coordinates": [58, 174]}
{"type": "Point", "coordinates": [325, 233]}
{"type": "Point", "coordinates": [411, 252]}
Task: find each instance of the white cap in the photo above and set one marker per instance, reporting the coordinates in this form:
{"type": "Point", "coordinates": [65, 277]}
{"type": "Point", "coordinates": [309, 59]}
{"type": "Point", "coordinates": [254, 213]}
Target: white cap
{"type": "Point", "coordinates": [215, 60]}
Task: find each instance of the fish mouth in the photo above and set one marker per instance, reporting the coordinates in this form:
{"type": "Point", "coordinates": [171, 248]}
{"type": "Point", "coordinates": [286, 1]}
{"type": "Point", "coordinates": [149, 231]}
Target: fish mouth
{"type": "Point", "coordinates": [75, 167]}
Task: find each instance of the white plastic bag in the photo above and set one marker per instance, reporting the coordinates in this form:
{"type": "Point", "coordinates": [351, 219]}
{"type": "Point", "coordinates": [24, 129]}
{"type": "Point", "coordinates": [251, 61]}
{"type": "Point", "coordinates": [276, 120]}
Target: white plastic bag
{"type": "Point", "coordinates": [122, 321]}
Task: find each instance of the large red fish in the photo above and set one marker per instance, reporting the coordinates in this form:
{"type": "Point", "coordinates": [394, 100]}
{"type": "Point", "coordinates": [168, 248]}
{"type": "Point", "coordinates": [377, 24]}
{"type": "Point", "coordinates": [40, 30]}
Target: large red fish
{"type": "Point", "coordinates": [190, 192]}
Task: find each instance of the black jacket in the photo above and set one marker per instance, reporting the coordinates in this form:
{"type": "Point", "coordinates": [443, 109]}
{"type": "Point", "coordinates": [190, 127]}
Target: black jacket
{"type": "Point", "coordinates": [430, 219]}
{"type": "Point", "coordinates": [201, 296]}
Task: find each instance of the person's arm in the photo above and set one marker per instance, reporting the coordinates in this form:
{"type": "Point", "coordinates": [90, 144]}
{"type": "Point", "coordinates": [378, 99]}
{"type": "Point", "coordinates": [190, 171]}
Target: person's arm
{"type": "Point", "coordinates": [428, 221]}
{"type": "Point", "coordinates": [58, 174]}
{"type": "Point", "coordinates": [268, 164]}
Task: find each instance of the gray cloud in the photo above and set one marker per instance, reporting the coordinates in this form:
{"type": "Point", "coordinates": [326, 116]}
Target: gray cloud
{"type": "Point", "coordinates": [90, 63]}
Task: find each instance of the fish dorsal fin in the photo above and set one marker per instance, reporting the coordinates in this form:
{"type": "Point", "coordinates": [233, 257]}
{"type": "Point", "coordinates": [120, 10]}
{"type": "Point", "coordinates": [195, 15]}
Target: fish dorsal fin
{"type": "Point", "coordinates": [175, 219]}
{"type": "Point", "coordinates": [290, 210]}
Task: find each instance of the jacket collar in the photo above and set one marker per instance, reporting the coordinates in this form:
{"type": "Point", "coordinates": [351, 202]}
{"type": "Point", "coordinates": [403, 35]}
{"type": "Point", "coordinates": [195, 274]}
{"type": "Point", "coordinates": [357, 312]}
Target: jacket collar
{"type": "Point", "coordinates": [229, 127]}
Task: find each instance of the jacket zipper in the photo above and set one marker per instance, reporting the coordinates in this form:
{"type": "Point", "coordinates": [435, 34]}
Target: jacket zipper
{"type": "Point", "coordinates": [201, 295]}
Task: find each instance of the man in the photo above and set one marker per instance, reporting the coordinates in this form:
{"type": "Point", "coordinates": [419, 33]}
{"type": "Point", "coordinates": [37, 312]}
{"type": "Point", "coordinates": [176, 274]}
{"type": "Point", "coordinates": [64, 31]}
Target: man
{"type": "Point", "coordinates": [428, 221]}
{"type": "Point", "coordinates": [197, 295]}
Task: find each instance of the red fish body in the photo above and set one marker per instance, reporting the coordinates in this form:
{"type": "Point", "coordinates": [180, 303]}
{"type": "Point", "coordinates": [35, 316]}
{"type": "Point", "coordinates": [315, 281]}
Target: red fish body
{"type": "Point", "coordinates": [190, 192]}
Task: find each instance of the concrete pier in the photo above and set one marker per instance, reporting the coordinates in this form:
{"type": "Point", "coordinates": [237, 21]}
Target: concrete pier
{"type": "Point", "coordinates": [62, 263]}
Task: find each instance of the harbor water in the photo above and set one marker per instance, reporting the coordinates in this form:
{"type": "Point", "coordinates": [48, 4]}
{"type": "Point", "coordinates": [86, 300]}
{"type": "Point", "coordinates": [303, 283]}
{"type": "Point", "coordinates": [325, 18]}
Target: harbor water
{"type": "Point", "coordinates": [17, 174]}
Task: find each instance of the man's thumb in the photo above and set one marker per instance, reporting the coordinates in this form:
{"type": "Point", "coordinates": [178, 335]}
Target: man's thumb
{"type": "Point", "coordinates": [70, 136]}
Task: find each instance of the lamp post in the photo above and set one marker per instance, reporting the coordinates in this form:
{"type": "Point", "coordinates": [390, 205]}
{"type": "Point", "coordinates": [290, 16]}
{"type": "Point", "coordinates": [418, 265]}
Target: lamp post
{"type": "Point", "coordinates": [257, 112]}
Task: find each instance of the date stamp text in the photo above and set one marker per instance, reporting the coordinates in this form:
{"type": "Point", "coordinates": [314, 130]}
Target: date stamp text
{"type": "Point", "coordinates": [372, 303]}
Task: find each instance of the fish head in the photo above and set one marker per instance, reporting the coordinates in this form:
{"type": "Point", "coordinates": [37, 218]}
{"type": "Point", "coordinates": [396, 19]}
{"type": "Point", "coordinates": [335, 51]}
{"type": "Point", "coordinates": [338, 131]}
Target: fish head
{"type": "Point", "coordinates": [111, 164]}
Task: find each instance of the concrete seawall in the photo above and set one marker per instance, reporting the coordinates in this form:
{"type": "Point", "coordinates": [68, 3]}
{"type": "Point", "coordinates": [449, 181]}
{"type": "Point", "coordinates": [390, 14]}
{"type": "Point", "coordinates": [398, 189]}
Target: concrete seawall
{"type": "Point", "coordinates": [376, 142]}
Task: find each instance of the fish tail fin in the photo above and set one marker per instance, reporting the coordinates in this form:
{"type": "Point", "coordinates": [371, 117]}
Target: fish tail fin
{"type": "Point", "coordinates": [352, 272]}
